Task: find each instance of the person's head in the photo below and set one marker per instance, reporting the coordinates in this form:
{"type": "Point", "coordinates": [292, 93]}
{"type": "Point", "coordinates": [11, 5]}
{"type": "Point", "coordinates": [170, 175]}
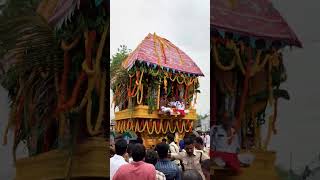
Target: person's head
{"type": "Point", "coordinates": [151, 157]}
{"type": "Point", "coordinates": [139, 140]}
{"type": "Point", "coordinates": [189, 146]}
{"type": "Point", "coordinates": [170, 137]}
{"type": "Point", "coordinates": [191, 175]}
{"type": "Point", "coordinates": [129, 149]}
{"type": "Point", "coordinates": [162, 150]}
{"type": "Point", "coordinates": [164, 140]}
{"type": "Point", "coordinates": [138, 152]}
{"type": "Point", "coordinates": [198, 143]}
{"type": "Point", "coordinates": [121, 147]}
{"type": "Point", "coordinates": [205, 166]}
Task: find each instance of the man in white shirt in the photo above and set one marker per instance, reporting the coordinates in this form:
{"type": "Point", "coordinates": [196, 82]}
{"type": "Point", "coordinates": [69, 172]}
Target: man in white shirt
{"type": "Point", "coordinates": [173, 148]}
{"type": "Point", "coordinates": [118, 159]}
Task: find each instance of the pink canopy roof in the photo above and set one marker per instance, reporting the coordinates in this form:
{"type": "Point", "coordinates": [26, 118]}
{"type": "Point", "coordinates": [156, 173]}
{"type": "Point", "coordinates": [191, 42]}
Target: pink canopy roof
{"type": "Point", "coordinates": [157, 51]}
{"type": "Point", "coordinates": [254, 18]}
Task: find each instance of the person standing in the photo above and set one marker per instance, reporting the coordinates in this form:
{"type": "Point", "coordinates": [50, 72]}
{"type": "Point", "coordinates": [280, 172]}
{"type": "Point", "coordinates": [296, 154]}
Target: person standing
{"type": "Point", "coordinates": [152, 158]}
{"type": "Point", "coordinates": [169, 168]}
{"type": "Point", "coordinates": [138, 169]}
{"type": "Point", "coordinates": [119, 158]}
{"type": "Point", "coordinates": [173, 148]}
{"type": "Point", "coordinates": [191, 159]}
{"type": "Point", "coordinates": [199, 145]}
{"type": "Point", "coordinates": [129, 151]}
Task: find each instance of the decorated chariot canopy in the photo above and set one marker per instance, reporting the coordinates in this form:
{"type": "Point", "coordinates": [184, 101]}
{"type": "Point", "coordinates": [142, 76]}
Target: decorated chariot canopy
{"type": "Point", "coordinates": [162, 83]}
{"type": "Point", "coordinates": [247, 37]}
{"type": "Point", "coordinates": [257, 19]}
{"type": "Point", "coordinates": [156, 51]}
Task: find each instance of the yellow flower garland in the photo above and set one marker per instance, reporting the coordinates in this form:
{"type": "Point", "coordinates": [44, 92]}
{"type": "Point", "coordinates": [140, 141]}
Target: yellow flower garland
{"type": "Point", "coordinates": [181, 82]}
{"type": "Point", "coordinates": [180, 130]}
{"type": "Point", "coordinates": [119, 126]}
{"type": "Point", "coordinates": [191, 126]}
{"type": "Point", "coordinates": [139, 83]}
{"type": "Point", "coordinates": [165, 84]}
{"type": "Point", "coordinates": [124, 124]}
{"type": "Point", "coordinates": [155, 127]}
{"type": "Point", "coordinates": [218, 62]}
{"type": "Point", "coordinates": [165, 128]}
{"type": "Point", "coordinates": [152, 127]}
{"type": "Point", "coordinates": [171, 123]}
{"type": "Point", "coordinates": [130, 125]}
{"type": "Point", "coordinates": [238, 58]}
{"type": "Point", "coordinates": [175, 77]}
{"type": "Point", "coordinates": [136, 129]}
{"type": "Point", "coordinates": [187, 126]}
{"type": "Point", "coordinates": [145, 124]}
{"type": "Point", "coordinates": [257, 67]}
{"type": "Point", "coordinates": [139, 101]}
{"type": "Point", "coordinates": [191, 81]}
{"type": "Point", "coordinates": [154, 74]}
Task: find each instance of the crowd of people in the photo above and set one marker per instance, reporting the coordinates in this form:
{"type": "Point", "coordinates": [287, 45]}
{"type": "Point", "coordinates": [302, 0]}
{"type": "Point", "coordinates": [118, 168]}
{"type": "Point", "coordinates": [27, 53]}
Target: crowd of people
{"type": "Point", "coordinates": [165, 161]}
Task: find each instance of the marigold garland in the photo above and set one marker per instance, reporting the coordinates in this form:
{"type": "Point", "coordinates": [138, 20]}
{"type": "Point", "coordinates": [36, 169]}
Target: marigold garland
{"type": "Point", "coordinates": [187, 126]}
{"type": "Point", "coordinates": [171, 123]}
{"type": "Point", "coordinates": [148, 126]}
{"type": "Point", "coordinates": [218, 62]}
{"type": "Point", "coordinates": [180, 130]}
{"type": "Point", "coordinates": [153, 73]}
{"type": "Point", "coordinates": [165, 126]}
{"type": "Point", "coordinates": [144, 125]}
{"type": "Point", "coordinates": [158, 131]}
{"type": "Point", "coordinates": [182, 81]}
{"type": "Point", "coordinates": [175, 77]}
{"type": "Point", "coordinates": [119, 125]}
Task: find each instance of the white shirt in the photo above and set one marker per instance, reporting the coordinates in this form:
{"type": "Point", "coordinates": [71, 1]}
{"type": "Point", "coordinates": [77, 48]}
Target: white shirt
{"type": "Point", "coordinates": [115, 162]}
{"type": "Point", "coordinates": [207, 140]}
{"type": "Point", "coordinates": [219, 141]}
{"type": "Point", "coordinates": [173, 147]}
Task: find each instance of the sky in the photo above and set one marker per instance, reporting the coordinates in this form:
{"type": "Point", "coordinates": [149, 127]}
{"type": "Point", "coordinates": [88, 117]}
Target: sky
{"type": "Point", "coordinates": [183, 22]}
{"type": "Point", "coordinates": [187, 26]}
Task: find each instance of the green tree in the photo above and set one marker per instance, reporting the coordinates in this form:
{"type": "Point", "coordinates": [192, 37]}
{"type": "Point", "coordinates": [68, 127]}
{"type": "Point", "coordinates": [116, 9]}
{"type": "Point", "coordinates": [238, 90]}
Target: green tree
{"type": "Point", "coordinates": [119, 76]}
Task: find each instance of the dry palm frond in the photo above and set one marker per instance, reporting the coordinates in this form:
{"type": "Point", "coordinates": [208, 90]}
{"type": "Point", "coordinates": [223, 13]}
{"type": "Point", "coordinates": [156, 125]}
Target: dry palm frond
{"type": "Point", "coordinates": [32, 42]}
